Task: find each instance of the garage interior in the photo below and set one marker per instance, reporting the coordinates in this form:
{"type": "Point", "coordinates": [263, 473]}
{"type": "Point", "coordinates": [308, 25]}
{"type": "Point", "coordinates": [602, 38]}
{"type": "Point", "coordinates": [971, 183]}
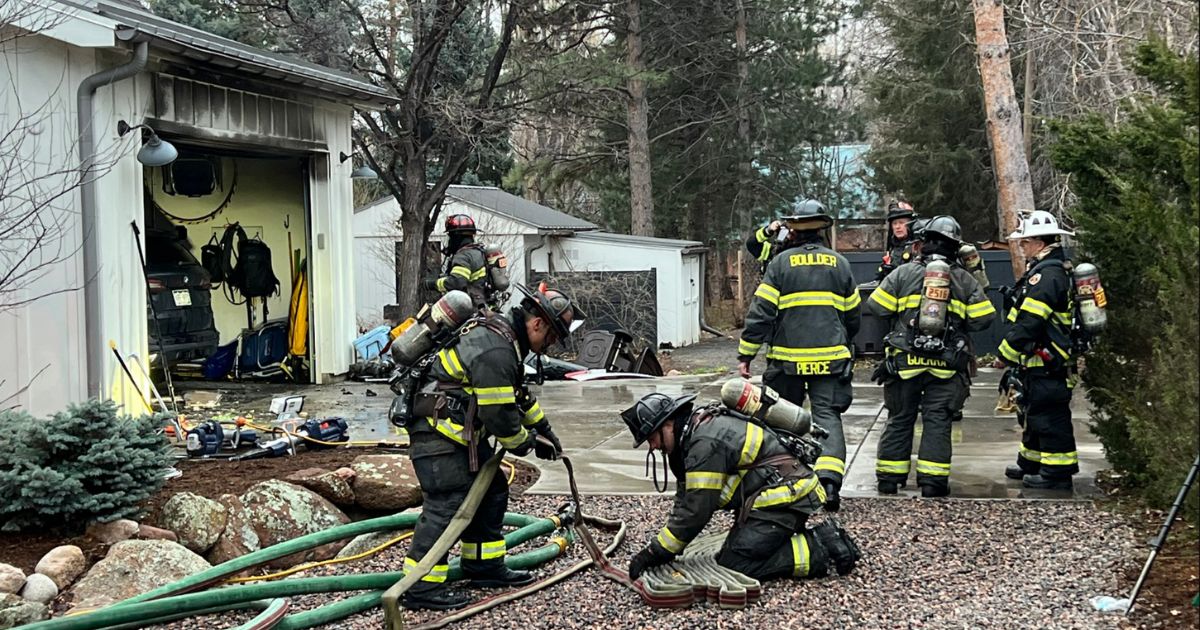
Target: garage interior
{"type": "Point", "coordinates": [217, 326]}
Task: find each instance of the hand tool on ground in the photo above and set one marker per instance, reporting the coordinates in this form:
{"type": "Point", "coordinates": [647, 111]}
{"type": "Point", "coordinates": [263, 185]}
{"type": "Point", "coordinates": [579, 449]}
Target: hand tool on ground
{"type": "Point", "coordinates": [315, 434]}
{"type": "Point", "coordinates": [132, 381]}
{"type": "Point", "coordinates": [137, 239]}
{"type": "Point", "coordinates": [1161, 538]}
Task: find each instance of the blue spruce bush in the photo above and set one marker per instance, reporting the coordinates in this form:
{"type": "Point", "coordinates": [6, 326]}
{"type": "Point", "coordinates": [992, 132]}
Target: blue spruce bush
{"type": "Point", "coordinates": [81, 465]}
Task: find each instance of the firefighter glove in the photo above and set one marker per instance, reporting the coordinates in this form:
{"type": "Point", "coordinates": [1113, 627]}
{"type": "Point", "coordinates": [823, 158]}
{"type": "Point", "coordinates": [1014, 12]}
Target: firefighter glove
{"type": "Point", "coordinates": [652, 556]}
{"type": "Point", "coordinates": [550, 447]}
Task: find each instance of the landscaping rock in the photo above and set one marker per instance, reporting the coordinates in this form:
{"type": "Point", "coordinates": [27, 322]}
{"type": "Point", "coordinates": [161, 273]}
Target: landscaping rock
{"type": "Point", "coordinates": [133, 567]}
{"type": "Point", "coordinates": [331, 485]}
{"type": "Point", "coordinates": [112, 532]}
{"type": "Point", "coordinates": [198, 521]}
{"type": "Point", "coordinates": [280, 511]}
{"type": "Point", "coordinates": [62, 564]}
{"type": "Point", "coordinates": [149, 532]}
{"type": "Point", "coordinates": [11, 579]}
{"type": "Point", "coordinates": [365, 542]}
{"type": "Point", "coordinates": [40, 589]}
{"type": "Point", "coordinates": [15, 611]}
{"type": "Point", "coordinates": [385, 482]}
{"type": "Point", "coordinates": [239, 537]}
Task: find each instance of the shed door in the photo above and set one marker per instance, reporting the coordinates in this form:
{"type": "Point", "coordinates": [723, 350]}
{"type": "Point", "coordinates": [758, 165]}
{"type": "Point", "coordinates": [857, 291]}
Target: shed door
{"type": "Point", "coordinates": [689, 324]}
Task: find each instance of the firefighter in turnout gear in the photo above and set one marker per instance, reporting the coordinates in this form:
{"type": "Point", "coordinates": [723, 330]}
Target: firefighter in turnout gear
{"type": "Point", "coordinates": [932, 303]}
{"type": "Point", "coordinates": [807, 311]}
{"type": "Point", "coordinates": [776, 236]}
{"type": "Point", "coordinates": [466, 263]}
{"type": "Point", "coordinates": [475, 389]}
{"type": "Point", "coordinates": [1037, 347]}
{"type": "Point", "coordinates": [722, 460]}
{"type": "Point", "coordinates": [900, 238]}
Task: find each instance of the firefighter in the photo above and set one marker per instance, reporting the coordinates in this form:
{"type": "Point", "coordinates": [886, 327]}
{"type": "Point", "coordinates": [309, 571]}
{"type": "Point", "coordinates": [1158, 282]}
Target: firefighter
{"type": "Point", "coordinates": [924, 369]}
{"type": "Point", "coordinates": [807, 311]}
{"type": "Point", "coordinates": [900, 238]}
{"type": "Point", "coordinates": [466, 262]}
{"type": "Point", "coordinates": [482, 381]}
{"type": "Point", "coordinates": [1037, 347]}
{"type": "Point", "coordinates": [769, 240]}
{"type": "Point", "coordinates": [722, 461]}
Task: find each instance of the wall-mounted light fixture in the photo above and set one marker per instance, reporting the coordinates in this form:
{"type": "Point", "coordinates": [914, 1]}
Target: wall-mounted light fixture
{"type": "Point", "coordinates": [155, 151]}
{"type": "Point", "coordinates": [362, 172]}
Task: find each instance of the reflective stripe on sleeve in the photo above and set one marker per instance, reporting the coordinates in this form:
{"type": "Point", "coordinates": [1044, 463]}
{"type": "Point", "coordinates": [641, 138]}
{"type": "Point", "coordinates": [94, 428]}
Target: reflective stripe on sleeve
{"type": "Point", "coordinates": [768, 293]}
{"type": "Point", "coordinates": [669, 541]}
{"type": "Point", "coordinates": [700, 480]}
{"type": "Point", "coordinates": [831, 464]}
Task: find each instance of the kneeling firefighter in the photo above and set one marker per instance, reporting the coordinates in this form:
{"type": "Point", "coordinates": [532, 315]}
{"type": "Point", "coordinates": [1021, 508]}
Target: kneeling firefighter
{"type": "Point", "coordinates": [724, 460]}
{"type": "Point", "coordinates": [933, 302]}
{"type": "Point", "coordinates": [476, 388]}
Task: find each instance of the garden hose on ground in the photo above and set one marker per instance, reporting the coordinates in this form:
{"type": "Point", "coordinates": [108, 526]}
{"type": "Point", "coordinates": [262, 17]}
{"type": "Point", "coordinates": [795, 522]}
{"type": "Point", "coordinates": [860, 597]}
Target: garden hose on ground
{"type": "Point", "coordinates": [312, 565]}
{"type": "Point", "coordinates": [267, 618]}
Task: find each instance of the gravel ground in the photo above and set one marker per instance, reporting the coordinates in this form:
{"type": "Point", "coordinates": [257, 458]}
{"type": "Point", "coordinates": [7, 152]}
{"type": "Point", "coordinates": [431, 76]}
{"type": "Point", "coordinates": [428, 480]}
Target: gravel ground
{"type": "Point", "coordinates": [928, 564]}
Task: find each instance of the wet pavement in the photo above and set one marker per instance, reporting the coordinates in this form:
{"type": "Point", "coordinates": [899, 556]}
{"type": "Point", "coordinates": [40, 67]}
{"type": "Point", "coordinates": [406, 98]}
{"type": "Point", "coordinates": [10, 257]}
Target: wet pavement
{"type": "Point", "coordinates": [586, 417]}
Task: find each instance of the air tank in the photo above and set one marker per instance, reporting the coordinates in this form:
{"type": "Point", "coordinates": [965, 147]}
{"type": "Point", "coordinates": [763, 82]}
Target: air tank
{"type": "Point", "coordinates": [767, 405]}
{"type": "Point", "coordinates": [935, 298]}
{"type": "Point", "coordinates": [443, 316]}
{"type": "Point", "coordinates": [1089, 295]}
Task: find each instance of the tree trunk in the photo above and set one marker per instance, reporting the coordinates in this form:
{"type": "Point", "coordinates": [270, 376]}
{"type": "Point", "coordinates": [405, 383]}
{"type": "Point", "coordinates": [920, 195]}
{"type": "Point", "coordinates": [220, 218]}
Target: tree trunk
{"type": "Point", "coordinates": [413, 227]}
{"type": "Point", "coordinates": [741, 208]}
{"type": "Point", "coordinates": [641, 192]}
{"type": "Point", "coordinates": [1013, 184]}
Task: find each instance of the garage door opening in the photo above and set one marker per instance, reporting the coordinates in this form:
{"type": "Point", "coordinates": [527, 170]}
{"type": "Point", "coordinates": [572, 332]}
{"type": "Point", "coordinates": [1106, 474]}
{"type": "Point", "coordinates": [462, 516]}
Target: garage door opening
{"type": "Point", "coordinates": [227, 249]}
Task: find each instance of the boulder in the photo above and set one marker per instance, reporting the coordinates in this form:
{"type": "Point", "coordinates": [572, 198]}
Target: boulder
{"type": "Point", "coordinates": [15, 611]}
{"type": "Point", "coordinates": [112, 532]}
{"type": "Point", "coordinates": [11, 579]}
{"type": "Point", "coordinates": [331, 485]}
{"type": "Point", "coordinates": [149, 532]}
{"type": "Point", "coordinates": [62, 564]}
{"type": "Point", "coordinates": [239, 537]}
{"type": "Point", "coordinates": [385, 482]}
{"type": "Point", "coordinates": [366, 542]}
{"type": "Point", "coordinates": [133, 567]}
{"type": "Point", "coordinates": [280, 511]}
{"type": "Point", "coordinates": [198, 521]}
{"type": "Point", "coordinates": [40, 589]}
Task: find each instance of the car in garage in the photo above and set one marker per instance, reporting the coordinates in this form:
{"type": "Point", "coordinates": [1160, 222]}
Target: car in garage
{"type": "Point", "coordinates": [180, 298]}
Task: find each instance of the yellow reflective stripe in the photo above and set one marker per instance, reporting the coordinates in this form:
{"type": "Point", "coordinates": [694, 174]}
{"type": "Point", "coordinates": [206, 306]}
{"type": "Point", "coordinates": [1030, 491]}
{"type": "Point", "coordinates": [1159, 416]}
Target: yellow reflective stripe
{"type": "Point", "coordinates": [533, 415]}
{"type": "Point", "coordinates": [495, 395]}
{"type": "Point", "coordinates": [464, 272]}
{"type": "Point", "coordinates": [832, 464]}
{"type": "Point", "coordinates": [790, 493]}
{"type": "Point", "coordinates": [1036, 308]}
{"type": "Point", "coordinates": [958, 308]}
{"type": "Point", "coordinates": [892, 466]}
{"type": "Point", "coordinates": [514, 440]}
{"type": "Point", "coordinates": [761, 235]}
{"type": "Point", "coordinates": [700, 480]}
{"type": "Point", "coordinates": [1008, 352]}
{"type": "Point", "coordinates": [747, 348]}
{"type": "Point", "coordinates": [731, 486]}
{"type": "Point", "coordinates": [937, 372]}
{"type": "Point", "coordinates": [669, 541]}
{"type": "Point", "coordinates": [752, 444]}
{"type": "Point", "coordinates": [936, 469]}
{"type": "Point", "coordinates": [797, 355]}
{"type": "Point", "coordinates": [908, 301]}
{"type": "Point", "coordinates": [448, 428]}
{"type": "Point", "coordinates": [800, 556]}
{"type": "Point", "coordinates": [490, 550]}
{"type": "Point", "coordinates": [478, 274]}
{"type": "Point", "coordinates": [980, 309]}
{"type": "Point", "coordinates": [1060, 459]}
{"type": "Point", "coordinates": [819, 298]}
{"type": "Point", "coordinates": [852, 301]}
{"type": "Point", "coordinates": [768, 293]}
{"type": "Point", "coordinates": [441, 285]}
{"type": "Point", "coordinates": [766, 252]}
{"type": "Point", "coordinates": [1066, 319]}
{"type": "Point", "coordinates": [1057, 348]}
{"type": "Point", "coordinates": [437, 574]}
{"type": "Point", "coordinates": [1031, 455]}
{"type": "Point", "coordinates": [884, 299]}
{"type": "Point", "coordinates": [452, 365]}
{"type": "Point", "coordinates": [1012, 316]}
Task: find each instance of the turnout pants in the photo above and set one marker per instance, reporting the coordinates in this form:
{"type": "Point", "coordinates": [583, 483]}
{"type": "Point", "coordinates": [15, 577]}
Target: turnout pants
{"type": "Point", "coordinates": [1048, 439]}
{"type": "Point", "coordinates": [830, 397]}
{"type": "Point", "coordinates": [444, 472]}
{"type": "Point", "coordinates": [768, 548]}
{"type": "Point", "coordinates": [936, 400]}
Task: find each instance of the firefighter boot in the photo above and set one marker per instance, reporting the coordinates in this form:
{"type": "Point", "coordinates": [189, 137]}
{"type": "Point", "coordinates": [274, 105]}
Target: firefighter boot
{"type": "Point", "coordinates": [841, 549]}
{"type": "Point", "coordinates": [1039, 482]}
{"type": "Point", "coordinates": [433, 596]}
{"type": "Point", "coordinates": [499, 578]}
{"type": "Point", "coordinates": [1014, 471]}
{"type": "Point", "coordinates": [888, 486]}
